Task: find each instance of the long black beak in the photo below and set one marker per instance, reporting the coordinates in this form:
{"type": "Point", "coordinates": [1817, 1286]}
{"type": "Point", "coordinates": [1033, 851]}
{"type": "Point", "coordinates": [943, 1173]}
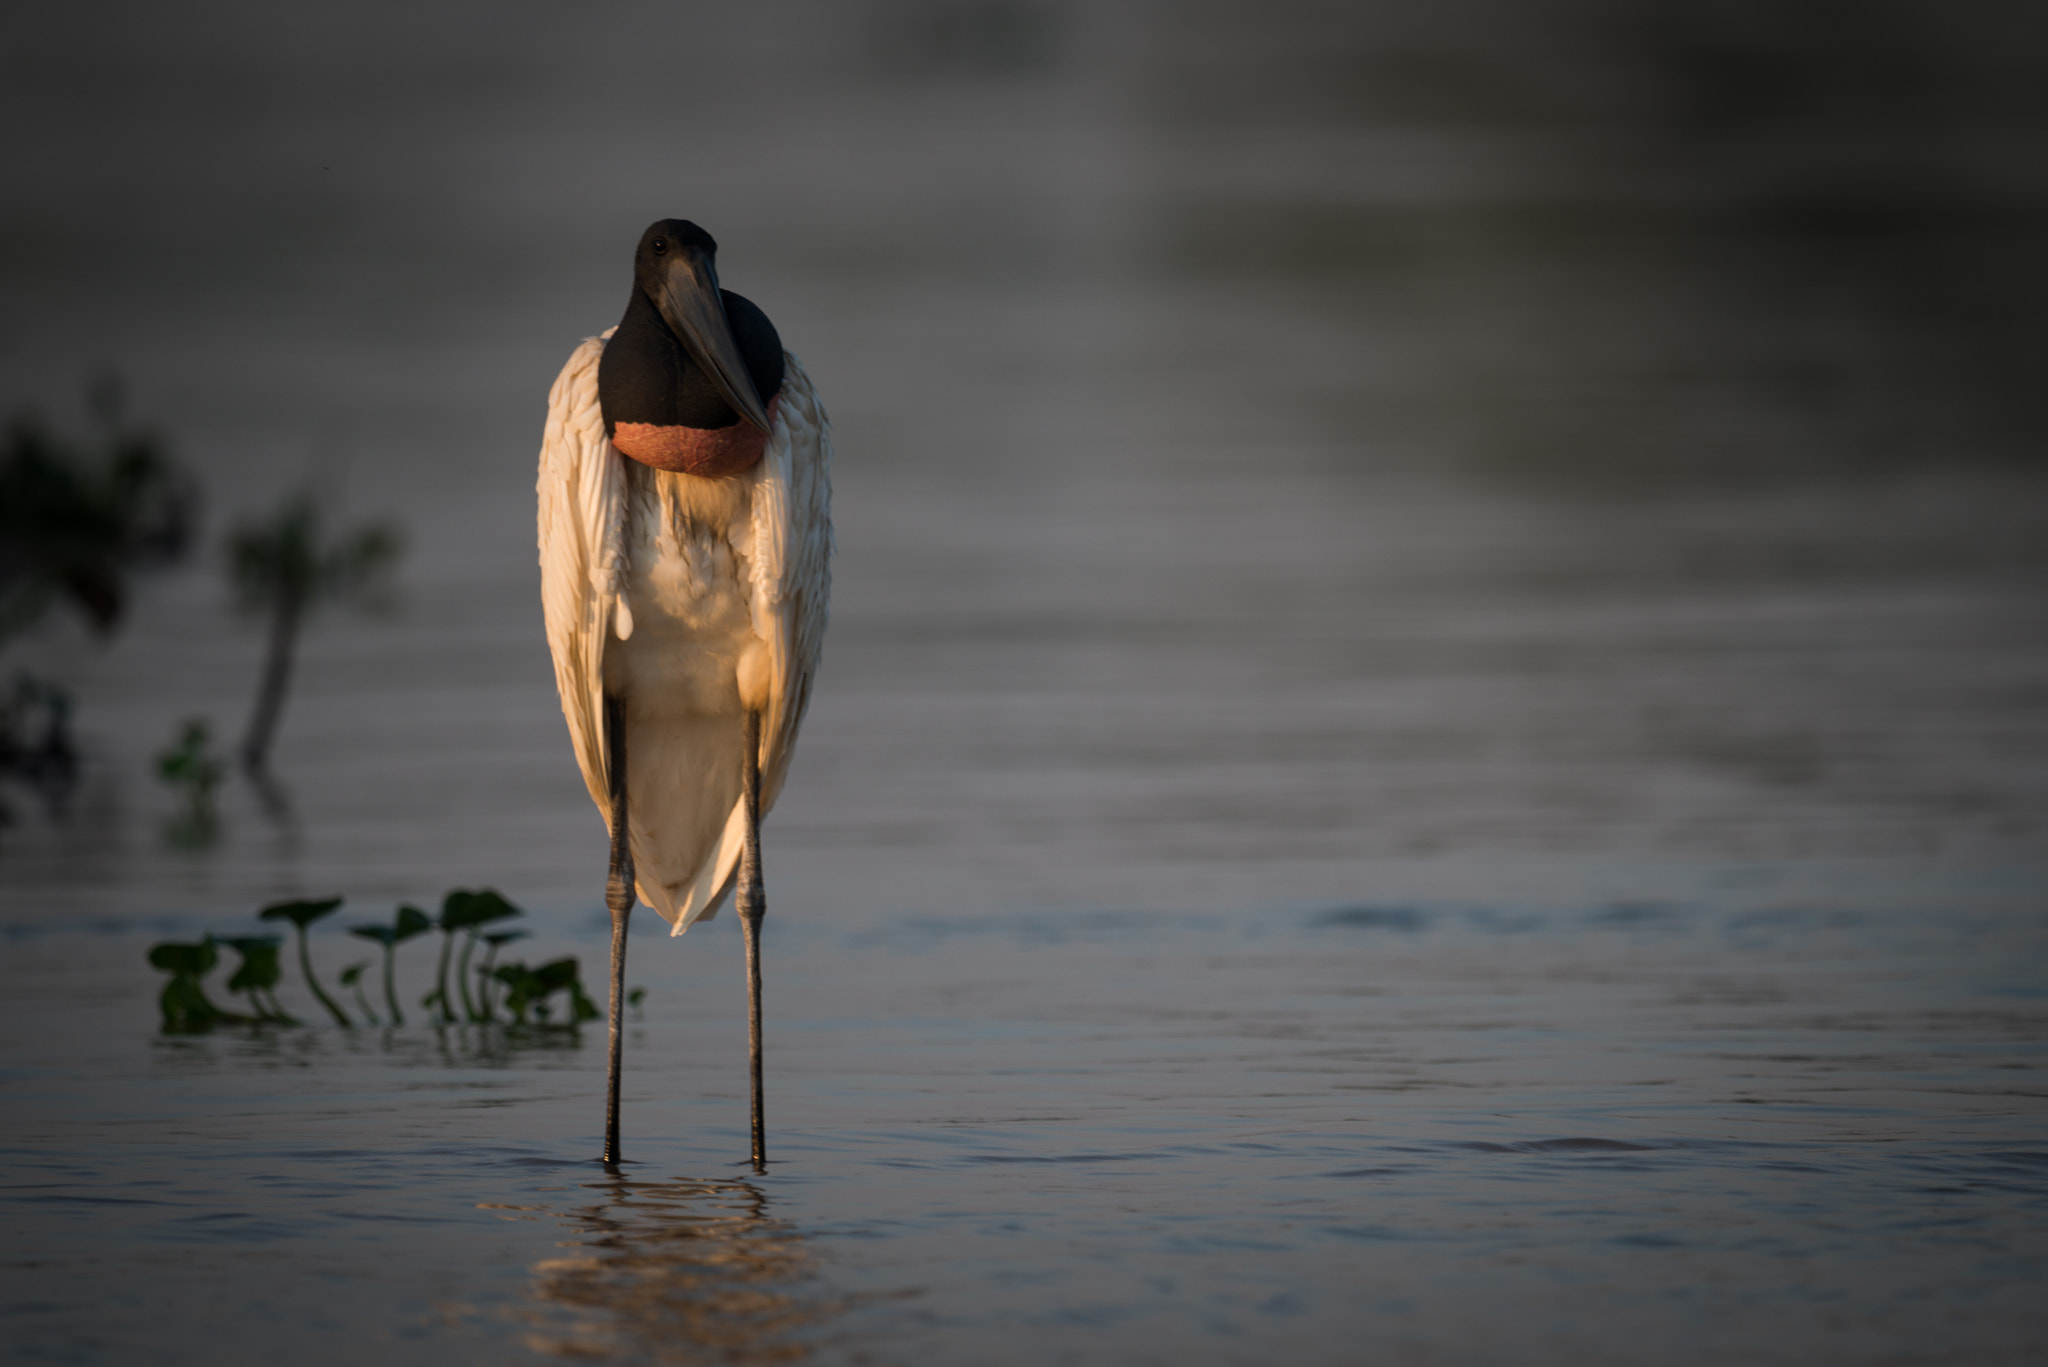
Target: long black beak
{"type": "Point", "coordinates": [688, 300]}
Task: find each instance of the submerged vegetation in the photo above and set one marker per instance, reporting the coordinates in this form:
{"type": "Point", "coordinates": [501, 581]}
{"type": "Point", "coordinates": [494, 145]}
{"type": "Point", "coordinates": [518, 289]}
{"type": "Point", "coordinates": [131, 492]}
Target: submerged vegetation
{"type": "Point", "coordinates": [529, 990]}
{"type": "Point", "coordinates": [409, 921]}
{"type": "Point", "coordinates": [352, 978]}
{"type": "Point", "coordinates": [186, 1007]}
{"type": "Point", "coordinates": [467, 912]}
{"type": "Point", "coordinates": [257, 976]}
{"type": "Point", "coordinates": [301, 915]}
{"type": "Point", "coordinates": [189, 768]}
{"type": "Point", "coordinates": [529, 994]}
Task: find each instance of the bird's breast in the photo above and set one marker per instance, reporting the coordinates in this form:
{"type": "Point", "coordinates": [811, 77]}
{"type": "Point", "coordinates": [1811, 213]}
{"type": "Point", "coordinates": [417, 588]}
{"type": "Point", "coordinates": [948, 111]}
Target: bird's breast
{"type": "Point", "coordinates": [708, 452]}
{"type": "Point", "coordinates": [688, 587]}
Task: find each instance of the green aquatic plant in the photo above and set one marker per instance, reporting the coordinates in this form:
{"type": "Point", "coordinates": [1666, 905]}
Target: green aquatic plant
{"type": "Point", "coordinates": [302, 915]}
{"type": "Point", "coordinates": [528, 993]}
{"type": "Point", "coordinates": [189, 767]}
{"type": "Point", "coordinates": [528, 990]}
{"type": "Point", "coordinates": [186, 1007]}
{"type": "Point", "coordinates": [483, 907]}
{"type": "Point", "coordinates": [409, 921]}
{"type": "Point", "coordinates": [486, 977]}
{"type": "Point", "coordinates": [352, 976]}
{"type": "Point", "coordinates": [256, 977]}
{"type": "Point", "coordinates": [468, 912]}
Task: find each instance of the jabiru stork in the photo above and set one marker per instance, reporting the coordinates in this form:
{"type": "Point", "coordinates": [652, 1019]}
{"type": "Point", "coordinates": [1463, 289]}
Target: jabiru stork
{"type": "Point", "coordinates": [685, 556]}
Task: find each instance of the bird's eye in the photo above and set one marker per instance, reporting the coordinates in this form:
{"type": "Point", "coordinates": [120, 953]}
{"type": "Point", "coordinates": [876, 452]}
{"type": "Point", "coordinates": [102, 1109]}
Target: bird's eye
{"type": "Point", "coordinates": [660, 245]}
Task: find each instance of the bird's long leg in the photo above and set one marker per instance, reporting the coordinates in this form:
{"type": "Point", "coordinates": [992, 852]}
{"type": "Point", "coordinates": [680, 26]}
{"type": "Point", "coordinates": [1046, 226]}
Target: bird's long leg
{"type": "Point", "coordinates": [752, 903]}
{"type": "Point", "coordinates": [618, 896]}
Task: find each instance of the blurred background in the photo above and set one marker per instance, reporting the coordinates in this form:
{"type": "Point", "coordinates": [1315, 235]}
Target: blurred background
{"type": "Point", "coordinates": [1287, 452]}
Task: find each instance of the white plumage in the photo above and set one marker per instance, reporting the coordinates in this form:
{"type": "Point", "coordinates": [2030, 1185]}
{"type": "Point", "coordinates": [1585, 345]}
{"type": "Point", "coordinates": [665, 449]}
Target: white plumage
{"type": "Point", "coordinates": [692, 600]}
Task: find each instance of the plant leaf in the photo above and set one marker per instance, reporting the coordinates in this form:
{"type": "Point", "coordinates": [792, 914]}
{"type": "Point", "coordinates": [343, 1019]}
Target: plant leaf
{"type": "Point", "coordinates": [188, 961]}
{"type": "Point", "coordinates": [462, 909]}
{"type": "Point", "coordinates": [300, 914]}
{"type": "Point", "coordinates": [259, 967]}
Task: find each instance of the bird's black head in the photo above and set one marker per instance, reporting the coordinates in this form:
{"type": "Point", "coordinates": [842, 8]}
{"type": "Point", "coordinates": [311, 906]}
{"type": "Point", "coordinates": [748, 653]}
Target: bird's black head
{"type": "Point", "coordinates": [662, 244]}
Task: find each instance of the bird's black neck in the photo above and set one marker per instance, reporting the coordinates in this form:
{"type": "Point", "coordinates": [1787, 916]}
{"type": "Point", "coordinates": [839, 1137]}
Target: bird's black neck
{"type": "Point", "coordinates": [647, 376]}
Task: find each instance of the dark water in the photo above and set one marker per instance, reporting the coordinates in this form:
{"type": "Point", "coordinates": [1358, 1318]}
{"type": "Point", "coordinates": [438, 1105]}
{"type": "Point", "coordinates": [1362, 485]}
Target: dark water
{"type": "Point", "coordinates": [1639, 1133]}
{"type": "Point", "coordinates": [1434, 746]}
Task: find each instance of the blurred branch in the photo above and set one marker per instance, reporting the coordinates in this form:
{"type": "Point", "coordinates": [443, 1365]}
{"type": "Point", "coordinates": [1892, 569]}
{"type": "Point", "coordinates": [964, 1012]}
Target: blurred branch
{"type": "Point", "coordinates": [76, 523]}
{"type": "Point", "coordinates": [283, 568]}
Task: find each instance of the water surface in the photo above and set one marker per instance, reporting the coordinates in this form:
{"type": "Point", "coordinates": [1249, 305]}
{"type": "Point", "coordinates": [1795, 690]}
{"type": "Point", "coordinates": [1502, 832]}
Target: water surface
{"type": "Point", "coordinates": [1431, 747]}
{"type": "Point", "coordinates": [1641, 1133]}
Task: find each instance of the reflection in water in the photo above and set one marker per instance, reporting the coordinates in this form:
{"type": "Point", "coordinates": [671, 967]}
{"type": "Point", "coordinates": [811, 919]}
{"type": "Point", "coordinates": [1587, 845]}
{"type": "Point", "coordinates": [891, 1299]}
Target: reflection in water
{"type": "Point", "coordinates": [678, 1271]}
{"type": "Point", "coordinates": [484, 1047]}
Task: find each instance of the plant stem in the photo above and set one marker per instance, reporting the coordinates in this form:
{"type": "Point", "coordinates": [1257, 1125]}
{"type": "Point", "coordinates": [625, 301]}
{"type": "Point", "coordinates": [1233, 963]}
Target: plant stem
{"type": "Point", "coordinates": [483, 987]}
{"type": "Point", "coordinates": [277, 677]}
{"type": "Point", "coordinates": [469, 1010]}
{"type": "Point", "coordinates": [391, 985]}
{"type": "Point", "coordinates": [441, 975]}
{"type": "Point", "coordinates": [306, 967]}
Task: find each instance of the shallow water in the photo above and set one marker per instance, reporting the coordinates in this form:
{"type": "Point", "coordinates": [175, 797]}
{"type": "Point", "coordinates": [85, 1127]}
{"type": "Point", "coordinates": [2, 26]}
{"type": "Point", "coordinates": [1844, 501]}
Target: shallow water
{"type": "Point", "coordinates": [1641, 1133]}
{"type": "Point", "coordinates": [1431, 747]}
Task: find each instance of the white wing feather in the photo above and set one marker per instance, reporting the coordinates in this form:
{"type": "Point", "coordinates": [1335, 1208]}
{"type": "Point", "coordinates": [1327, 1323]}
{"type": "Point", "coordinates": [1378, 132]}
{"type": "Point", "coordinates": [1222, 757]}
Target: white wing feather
{"type": "Point", "coordinates": [792, 565]}
{"type": "Point", "coordinates": [582, 555]}
{"type": "Point", "coordinates": [583, 564]}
